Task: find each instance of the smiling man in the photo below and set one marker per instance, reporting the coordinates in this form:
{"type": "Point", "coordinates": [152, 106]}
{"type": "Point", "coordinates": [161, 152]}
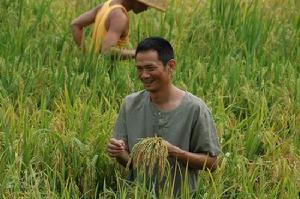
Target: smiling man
{"type": "Point", "coordinates": [180, 118]}
{"type": "Point", "coordinates": [111, 30]}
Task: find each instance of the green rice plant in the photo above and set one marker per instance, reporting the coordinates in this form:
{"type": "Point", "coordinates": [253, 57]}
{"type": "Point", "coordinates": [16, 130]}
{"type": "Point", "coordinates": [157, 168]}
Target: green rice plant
{"type": "Point", "coordinates": [58, 106]}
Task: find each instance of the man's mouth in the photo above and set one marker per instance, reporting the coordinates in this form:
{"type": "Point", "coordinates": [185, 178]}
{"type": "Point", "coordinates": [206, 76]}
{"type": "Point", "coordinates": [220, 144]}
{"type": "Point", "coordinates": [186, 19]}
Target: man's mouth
{"type": "Point", "coordinates": [147, 81]}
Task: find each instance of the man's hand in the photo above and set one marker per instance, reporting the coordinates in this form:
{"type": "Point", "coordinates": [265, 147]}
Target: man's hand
{"type": "Point", "coordinates": [119, 150]}
{"type": "Point", "coordinates": [116, 148]}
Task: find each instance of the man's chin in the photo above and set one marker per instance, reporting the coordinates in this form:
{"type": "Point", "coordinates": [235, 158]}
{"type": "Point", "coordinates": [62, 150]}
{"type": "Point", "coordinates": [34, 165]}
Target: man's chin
{"type": "Point", "coordinates": [147, 85]}
{"type": "Point", "coordinates": [150, 89]}
{"type": "Point", "coordinates": [147, 88]}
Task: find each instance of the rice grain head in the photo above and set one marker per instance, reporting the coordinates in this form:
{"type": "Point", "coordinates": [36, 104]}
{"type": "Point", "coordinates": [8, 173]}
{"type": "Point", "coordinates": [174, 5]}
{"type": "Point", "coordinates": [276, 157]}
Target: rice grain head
{"type": "Point", "coordinates": [148, 153]}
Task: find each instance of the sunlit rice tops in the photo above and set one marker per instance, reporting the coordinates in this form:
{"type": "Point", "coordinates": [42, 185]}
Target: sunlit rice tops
{"type": "Point", "coordinates": [147, 153]}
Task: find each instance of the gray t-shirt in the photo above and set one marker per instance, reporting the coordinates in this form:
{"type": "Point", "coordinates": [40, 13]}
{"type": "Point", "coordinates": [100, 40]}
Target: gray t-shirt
{"type": "Point", "coordinates": [189, 126]}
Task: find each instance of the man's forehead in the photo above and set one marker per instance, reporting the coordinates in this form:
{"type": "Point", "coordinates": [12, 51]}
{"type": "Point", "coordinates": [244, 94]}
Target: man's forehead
{"type": "Point", "coordinates": [147, 58]}
{"type": "Point", "coordinates": [145, 64]}
{"type": "Point", "coordinates": [147, 53]}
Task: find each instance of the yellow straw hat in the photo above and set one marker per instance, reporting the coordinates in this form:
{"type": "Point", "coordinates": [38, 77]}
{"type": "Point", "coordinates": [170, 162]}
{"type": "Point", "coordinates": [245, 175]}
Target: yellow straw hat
{"type": "Point", "coordinates": [158, 4]}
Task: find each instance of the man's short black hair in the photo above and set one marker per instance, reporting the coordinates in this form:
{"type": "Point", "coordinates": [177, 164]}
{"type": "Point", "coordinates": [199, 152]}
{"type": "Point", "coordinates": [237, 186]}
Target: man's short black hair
{"type": "Point", "coordinates": [160, 45]}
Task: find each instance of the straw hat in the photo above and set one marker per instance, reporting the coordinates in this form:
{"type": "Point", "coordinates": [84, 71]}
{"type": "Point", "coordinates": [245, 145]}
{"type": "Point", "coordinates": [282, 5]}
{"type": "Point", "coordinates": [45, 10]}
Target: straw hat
{"type": "Point", "coordinates": [158, 4]}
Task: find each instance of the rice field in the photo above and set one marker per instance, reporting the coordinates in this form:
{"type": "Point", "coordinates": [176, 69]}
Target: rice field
{"type": "Point", "coordinates": [58, 106]}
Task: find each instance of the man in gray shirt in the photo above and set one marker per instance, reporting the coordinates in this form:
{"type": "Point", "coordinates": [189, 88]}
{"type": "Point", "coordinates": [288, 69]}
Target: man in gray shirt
{"type": "Point", "coordinates": [180, 118]}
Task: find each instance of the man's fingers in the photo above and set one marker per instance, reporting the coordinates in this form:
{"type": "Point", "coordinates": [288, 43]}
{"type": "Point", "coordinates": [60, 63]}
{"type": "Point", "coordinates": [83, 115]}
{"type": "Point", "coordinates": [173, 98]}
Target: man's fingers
{"type": "Point", "coordinates": [111, 148]}
{"type": "Point", "coordinates": [115, 147]}
{"type": "Point", "coordinates": [118, 143]}
{"type": "Point", "coordinates": [113, 152]}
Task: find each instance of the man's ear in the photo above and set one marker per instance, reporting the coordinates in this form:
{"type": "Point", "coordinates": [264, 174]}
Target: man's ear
{"type": "Point", "coordinates": [171, 64]}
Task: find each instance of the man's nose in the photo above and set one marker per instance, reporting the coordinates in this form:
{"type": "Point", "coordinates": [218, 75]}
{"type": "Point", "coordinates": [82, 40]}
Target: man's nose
{"type": "Point", "coordinates": [144, 73]}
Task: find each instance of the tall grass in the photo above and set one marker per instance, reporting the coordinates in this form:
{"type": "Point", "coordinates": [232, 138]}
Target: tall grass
{"type": "Point", "coordinates": [58, 107]}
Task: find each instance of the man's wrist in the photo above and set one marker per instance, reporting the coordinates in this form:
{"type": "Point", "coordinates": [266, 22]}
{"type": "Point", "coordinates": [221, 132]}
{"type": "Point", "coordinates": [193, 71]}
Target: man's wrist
{"type": "Point", "coordinates": [123, 158]}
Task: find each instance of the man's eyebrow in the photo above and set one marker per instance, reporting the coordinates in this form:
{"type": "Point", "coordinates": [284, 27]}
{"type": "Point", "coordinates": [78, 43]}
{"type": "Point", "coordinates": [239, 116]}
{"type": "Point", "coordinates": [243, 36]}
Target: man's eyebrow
{"type": "Point", "coordinates": [145, 66]}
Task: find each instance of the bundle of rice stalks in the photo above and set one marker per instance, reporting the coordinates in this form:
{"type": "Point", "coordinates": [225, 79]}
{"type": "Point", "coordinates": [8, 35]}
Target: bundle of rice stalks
{"type": "Point", "coordinates": [148, 153]}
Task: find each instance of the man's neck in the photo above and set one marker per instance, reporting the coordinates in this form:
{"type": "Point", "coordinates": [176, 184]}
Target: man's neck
{"type": "Point", "coordinates": [167, 98]}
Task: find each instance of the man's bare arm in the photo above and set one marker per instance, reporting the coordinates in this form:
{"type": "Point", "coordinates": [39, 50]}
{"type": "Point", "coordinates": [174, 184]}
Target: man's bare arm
{"type": "Point", "coordinates": [82, 21]}
{"type": "Point", "coordinates": [194, 160]}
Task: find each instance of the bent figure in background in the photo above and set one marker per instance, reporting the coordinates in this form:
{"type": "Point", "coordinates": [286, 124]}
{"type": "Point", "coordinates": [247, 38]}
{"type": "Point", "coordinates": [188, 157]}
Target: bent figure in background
{"type": "Point", "coordinates": [111, 30]}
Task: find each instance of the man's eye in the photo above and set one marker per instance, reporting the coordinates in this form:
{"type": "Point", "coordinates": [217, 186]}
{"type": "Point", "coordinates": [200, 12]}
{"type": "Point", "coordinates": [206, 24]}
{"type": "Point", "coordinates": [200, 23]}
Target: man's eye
{"type": "Point", "coordinates": [151, 69]}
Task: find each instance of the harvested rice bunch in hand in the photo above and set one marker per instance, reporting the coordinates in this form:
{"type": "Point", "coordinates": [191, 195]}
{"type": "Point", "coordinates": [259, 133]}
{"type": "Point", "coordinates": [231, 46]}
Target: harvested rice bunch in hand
{"type": "Point", "coordinates": [148, 153]}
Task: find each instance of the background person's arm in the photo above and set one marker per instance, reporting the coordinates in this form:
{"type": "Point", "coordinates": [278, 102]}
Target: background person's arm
{"type": "Point", "coordinates": [118, 25]}
{"type": "Point", "coordinates": [122, 53]}
{"type": "Point", "coordinates": [82, 21]}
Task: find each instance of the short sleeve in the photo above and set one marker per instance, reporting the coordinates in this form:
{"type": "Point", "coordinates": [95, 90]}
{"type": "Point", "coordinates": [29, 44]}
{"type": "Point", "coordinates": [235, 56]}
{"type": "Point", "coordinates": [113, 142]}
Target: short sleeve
{"type": "Point", "coordinates": [119, 131]}
{"type": "Point", "coordinates": [204, 137]}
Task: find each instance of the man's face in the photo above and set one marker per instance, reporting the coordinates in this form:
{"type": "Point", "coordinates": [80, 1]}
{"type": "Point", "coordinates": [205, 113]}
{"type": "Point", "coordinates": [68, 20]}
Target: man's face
{"type": "Point", "coordinates": [151, 71]}
{"type": "Point", "coordinates": [139, 7]}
